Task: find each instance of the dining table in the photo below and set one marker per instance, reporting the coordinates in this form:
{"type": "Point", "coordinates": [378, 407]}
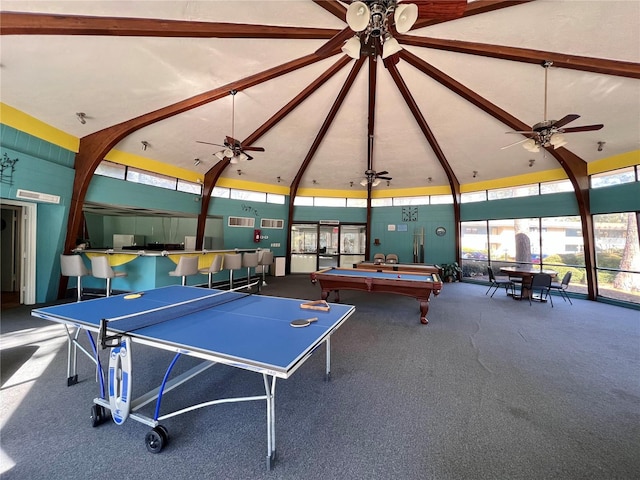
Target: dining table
{"type": "Point", "coordinates": [525, 273]}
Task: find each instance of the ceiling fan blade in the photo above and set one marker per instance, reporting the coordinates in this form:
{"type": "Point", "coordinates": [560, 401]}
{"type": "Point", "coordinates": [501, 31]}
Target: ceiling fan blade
{"type": "Point", "coordinates": [249, 157]}
{"type": "Point", "coordinates": [232, 141]}
{"type": "Point", "coordinates": [523, 132]}
{"type": "Point", "coordinates": [384, 178]}
{"type": "Point", "coordinates": [209, 143]}
{"type": "Point", "coordinates": [566, 119]}
{"type": "Point", "coordinates": [515, 143]}
{"type": "Point", "coordinates": [384, 172]}
{"type": "Point", "coordinates": [585, 128]}
{"type": "Point", "coordinates": [252, 149]}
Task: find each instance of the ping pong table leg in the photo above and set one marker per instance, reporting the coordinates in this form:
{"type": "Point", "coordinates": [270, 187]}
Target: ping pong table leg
{"type": "Point", "coordinates": [73, 345]}
{"type": "Point", "coordinates": [327, 376]}
{"type": "Point", "coordinates": [270, 390]}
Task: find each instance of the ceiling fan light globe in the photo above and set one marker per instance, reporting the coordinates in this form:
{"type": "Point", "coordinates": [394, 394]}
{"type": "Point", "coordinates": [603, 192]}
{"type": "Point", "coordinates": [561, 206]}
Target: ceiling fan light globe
{"type": "Point", "coordinates": [234, 160]}
{"type": "Point", "coordinates": [390, 46]}
{"type": "Point", "coordinates": [530, 145]}
{"type": "Point", "coordinates": [557, 141]}
{"type": "Point", "coordinates": [352, 47]}
{"type": "Point", "coordinates": [405, 16]}
{"type": "Point", "coordinates": [364, 182]}
{"type": "Point", "coordinates": [358, 16]}
{"type": "Point", "coordinates": [375, 183]}
{"type": "Point", "coordinates": [242, 157]}
{"type": "Point", "coordinates": [219, 155]}
{"type": "Point", "coordinates": [228, 152]}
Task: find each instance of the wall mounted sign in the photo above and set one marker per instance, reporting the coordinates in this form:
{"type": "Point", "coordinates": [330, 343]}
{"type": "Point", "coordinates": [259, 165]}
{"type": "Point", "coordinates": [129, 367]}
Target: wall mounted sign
{"type": "Point", "coordinates": [409, 214]}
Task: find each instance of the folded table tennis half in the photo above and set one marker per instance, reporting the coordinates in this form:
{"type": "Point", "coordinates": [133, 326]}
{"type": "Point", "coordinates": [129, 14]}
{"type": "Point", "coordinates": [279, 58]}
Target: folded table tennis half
{"type": "Point", "coordinates": [251, 332]}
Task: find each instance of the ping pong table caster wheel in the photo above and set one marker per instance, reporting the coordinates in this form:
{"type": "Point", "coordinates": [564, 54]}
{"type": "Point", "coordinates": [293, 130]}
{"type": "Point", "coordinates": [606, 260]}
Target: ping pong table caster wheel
{"type": "Point", "coordinates": [98, 415]}
{"type": "Point", "coordinates": [156, 439]}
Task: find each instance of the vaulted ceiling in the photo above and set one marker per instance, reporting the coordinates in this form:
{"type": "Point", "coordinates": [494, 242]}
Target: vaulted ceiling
{"type": "Point", "coordinates": [438, 111]}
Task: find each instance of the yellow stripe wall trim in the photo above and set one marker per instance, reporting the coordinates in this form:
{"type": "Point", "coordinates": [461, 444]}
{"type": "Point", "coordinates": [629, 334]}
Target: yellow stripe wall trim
{"type": "Point", "coordinates": [623, 160]}
{"type": "Point", "coordinates": [24, 122]}
{"type": "Point", "coordinates": [14, 118]}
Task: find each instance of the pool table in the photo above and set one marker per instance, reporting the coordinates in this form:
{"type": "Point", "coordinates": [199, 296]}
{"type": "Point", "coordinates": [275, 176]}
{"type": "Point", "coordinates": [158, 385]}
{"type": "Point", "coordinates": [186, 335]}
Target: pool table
{"type": "Point", "coordinates": [395, 267]}
{"type": "Point", "coordinates": [419, 286]}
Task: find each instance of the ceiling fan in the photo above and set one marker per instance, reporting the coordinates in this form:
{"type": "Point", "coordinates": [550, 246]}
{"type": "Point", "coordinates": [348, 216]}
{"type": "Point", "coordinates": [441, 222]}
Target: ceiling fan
{"type": "Point", "coordinates": [372, 22]}
{"type": "Point", "coordinates": [549, 132]}
{"type": "Point", "coordinates": [232, 148]}
{"type": "Point", "coordinates": [371, 177]}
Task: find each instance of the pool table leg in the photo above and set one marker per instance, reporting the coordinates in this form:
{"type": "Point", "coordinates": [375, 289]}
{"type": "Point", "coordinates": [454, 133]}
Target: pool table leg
{"type": "Point", "coordinates": [325, 295]}
{"type": "Point", "coordinates": [424, 308]}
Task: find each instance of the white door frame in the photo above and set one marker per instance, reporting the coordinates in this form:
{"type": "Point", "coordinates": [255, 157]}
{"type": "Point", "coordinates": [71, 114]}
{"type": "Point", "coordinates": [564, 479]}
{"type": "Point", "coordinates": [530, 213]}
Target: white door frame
{"type": "Point", "coordinates": [27, 250]}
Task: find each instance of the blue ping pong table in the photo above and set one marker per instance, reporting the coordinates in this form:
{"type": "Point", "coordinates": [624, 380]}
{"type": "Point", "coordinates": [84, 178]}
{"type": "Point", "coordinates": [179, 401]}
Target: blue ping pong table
{"type": "Point", "coordinates": [251, 332]}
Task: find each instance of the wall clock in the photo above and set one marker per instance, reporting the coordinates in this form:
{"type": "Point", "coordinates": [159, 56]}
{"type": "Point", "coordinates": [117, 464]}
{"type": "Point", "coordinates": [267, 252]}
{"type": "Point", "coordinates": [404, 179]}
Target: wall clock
{"type": "Point", "coordinates": [441, 231]}
{"type": "Point", "coordinates": [409, 214]}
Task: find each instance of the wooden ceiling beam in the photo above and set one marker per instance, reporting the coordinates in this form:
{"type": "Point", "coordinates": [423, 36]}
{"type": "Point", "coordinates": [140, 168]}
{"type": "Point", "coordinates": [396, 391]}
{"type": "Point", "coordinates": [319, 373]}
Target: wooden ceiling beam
{"type": "Point", "coordinates": [527, 55]}
{"type": "Point", "coordinates": [454, 183]}
{"type": "Point", "coordinates": [16, 23]}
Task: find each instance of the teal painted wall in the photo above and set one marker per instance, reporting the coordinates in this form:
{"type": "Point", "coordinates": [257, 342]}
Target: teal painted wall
{"type": "Point", "coordinates": [437, 249]}
{"type": "Point", "coordinates": [241, 237]}
{"type": "Point", "coordinates": [45, 168]}
{"type": "Point", "coordinates": [551, 205]}
{"type": "Point", "coordinates": [618, 198]}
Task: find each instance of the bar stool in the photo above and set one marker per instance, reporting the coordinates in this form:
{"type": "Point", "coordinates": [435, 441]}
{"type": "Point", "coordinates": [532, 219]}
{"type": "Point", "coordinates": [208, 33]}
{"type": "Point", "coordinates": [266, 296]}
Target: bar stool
{"type": "Point", "coordinates": [232, 261]}
{"type": "Point", "coordinates": [215, 267]}
{"type": "Point", "coordinates": [249, 260]}
{"type": "Point", "coordinates": [186, 266]}
{"type": "Point", "coordinates": [265, 263]}
{"type": "Point", "coordinates": [73, 266]}
{"type": "Point", "coordinates": [100, 268]}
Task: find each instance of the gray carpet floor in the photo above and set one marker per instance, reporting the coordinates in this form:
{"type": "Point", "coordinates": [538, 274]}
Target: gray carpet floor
{"type": "Point", "coordinates": [492, 388]}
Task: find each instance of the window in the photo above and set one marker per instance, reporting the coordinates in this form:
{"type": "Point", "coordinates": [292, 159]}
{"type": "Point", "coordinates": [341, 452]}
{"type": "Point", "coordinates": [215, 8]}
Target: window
{"type": "Point", "coordinates": [614, 177]}
{"type": "Point", "coordinates": [275, 198]}
{"type": "Point", "coordinates": [401, 201]}
{"type": "Point", "coordinates": [248, 195]}
{"type": "Point", "coordinates": [556, 187]}
{"type": "Point", "coordinates": [271, 223]}
{"type": "Point", "coordinates": [221, 192]}
{"type": "Point", "coordinates": [382, 202]}
{"type": "Point", "coordinates": [471, 197]}
{"type": "Point", "coordinates": [189, 187]}
{"type": "Point", "coordinates": [441, 199]}
{"type": "Point", "coordinates": [303, 201]}
{"type": "Point", "coordinates": [244, 222]}
{"type": "Point", "coordinates": [147, 178]}
{"type": "Point", "coordinates": [618, 256]}
{"type": "Point", "coordinates": [513, 192]}
{"type": "Point", "coordinates": [110, 169]}
{"type": "Point", "coordinates": [357, 202]}
{"type": "Point", "coordinates": [329, 202]}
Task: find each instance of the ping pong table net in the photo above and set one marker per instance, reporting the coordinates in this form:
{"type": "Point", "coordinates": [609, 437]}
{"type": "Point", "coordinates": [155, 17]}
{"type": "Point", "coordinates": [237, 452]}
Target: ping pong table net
{"type": "Point", "coordinates": [113, 329]}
